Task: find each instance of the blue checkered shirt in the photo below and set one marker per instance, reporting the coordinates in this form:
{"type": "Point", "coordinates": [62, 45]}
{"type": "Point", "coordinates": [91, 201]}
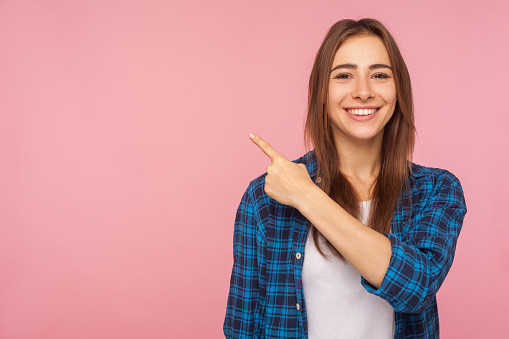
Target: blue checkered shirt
{"type": "Point", "coordinates": [266, 298]}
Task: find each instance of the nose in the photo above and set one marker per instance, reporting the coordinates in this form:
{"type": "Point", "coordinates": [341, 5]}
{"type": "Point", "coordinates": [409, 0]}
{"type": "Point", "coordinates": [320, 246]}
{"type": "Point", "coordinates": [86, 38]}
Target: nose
{"type": "Point", "coordinates": [363, 90]}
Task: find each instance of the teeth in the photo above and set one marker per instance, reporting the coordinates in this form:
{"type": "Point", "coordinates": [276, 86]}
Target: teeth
{"type": "Point", "coordinates": [362, 111]}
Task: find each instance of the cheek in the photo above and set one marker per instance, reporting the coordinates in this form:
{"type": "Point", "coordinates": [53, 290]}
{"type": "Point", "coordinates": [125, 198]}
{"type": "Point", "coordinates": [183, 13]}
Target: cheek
{"type": "Point", "coordinates": [336, 95]}
{"type": "Point", "coordinates": [388, 116]}
{"type": "Point", "coordinates": [388, 94]}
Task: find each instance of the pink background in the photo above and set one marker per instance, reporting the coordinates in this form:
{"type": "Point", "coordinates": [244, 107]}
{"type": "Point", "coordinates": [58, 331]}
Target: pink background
{"type": "Point", "coordinates": [124, 151]}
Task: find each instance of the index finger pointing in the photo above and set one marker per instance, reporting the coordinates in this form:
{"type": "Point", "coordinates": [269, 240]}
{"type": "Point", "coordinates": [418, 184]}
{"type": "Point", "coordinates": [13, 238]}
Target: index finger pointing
{"type": "Point", "coordinates": [264, 146]}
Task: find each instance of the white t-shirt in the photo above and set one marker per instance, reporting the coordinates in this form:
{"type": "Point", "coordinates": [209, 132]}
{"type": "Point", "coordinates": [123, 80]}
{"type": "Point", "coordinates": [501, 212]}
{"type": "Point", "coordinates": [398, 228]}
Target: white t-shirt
{"type": "Point", "coordinates": [337, 304]}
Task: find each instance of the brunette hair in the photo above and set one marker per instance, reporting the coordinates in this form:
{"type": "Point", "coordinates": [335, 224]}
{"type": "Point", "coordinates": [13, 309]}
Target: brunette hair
{"type": "Point", "coordinates": [398, 138]}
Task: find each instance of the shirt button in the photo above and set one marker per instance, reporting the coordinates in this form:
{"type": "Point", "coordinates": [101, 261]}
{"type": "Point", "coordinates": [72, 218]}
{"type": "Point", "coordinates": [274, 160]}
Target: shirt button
{"type": "Point", "coordinates": [298, 255]}
{"type": "Point", "coordinates": [298, 306]}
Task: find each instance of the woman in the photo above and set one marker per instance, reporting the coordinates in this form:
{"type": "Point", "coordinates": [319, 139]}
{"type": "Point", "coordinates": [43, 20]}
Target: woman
{"type": "Point", "coordinates": [352, 240]}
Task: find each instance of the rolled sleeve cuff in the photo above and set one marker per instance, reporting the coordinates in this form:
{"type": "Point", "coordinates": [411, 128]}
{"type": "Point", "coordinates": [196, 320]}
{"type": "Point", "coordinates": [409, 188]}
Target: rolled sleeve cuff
{"type": "Point", "coordinates": [404, 285]}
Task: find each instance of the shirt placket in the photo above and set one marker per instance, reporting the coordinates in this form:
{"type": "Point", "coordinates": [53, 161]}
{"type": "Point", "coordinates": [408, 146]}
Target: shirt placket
{"type": "Point", "coordinates": [299, 241]}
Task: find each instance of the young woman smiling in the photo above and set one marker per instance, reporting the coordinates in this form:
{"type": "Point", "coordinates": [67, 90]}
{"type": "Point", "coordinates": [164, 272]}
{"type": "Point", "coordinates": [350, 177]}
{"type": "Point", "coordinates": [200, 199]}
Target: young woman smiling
{"type": "Point", "coordinates": [353, 239]}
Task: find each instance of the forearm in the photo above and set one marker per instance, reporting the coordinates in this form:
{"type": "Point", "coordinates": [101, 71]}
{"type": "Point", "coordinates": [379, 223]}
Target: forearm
{"type": "Point", "coordinates": [368, 251]}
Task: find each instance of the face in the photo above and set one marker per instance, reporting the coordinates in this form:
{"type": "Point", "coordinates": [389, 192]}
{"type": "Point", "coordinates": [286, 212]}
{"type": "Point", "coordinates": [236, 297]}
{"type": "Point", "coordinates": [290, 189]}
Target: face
{"type": "Point", "coordinates": [362, 91]}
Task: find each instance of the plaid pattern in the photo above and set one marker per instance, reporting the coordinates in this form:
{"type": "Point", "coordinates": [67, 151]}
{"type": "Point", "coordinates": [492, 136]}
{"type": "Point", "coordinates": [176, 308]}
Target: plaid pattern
{"type": "Point", "coordinates": [266, 298]}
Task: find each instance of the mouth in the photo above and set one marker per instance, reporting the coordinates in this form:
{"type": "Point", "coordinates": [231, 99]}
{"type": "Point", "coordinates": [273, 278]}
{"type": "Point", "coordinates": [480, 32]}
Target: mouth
{"type": "Point", "coordinates": [362, 112]}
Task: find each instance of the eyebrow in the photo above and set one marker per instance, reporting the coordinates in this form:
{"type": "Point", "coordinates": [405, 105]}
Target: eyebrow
{"type": "Point", "coordinates": [352, 66]}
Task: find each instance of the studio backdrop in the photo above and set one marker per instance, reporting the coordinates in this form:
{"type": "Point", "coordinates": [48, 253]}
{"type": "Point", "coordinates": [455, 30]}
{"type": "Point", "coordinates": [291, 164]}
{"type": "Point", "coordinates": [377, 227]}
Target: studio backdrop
{"type": "Point", "coordinates": [124, 151]}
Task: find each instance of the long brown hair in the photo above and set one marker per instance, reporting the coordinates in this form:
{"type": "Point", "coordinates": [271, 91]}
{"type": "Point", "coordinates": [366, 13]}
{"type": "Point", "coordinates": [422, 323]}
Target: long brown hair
{"type": "Point", "coordinates": [398, 138]}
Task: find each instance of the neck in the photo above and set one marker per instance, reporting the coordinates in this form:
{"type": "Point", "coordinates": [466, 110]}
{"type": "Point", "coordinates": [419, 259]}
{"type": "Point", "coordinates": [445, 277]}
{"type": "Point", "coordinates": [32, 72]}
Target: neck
{"type": "Point", "coordinates": [359, 158]}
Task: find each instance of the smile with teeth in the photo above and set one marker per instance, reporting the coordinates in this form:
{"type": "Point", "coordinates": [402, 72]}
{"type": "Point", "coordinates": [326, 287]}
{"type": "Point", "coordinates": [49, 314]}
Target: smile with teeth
{"type": "Point", "coordinates": [362, 111]}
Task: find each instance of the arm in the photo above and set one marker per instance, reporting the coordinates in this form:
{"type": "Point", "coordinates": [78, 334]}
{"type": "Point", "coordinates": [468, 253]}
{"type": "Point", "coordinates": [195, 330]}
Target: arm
{"type": "Point", "coordinates": [421, 260]}
{"type": "Point", "coordinates": [243, 316]}
{"type": "Point", "coordinates": [406, 272]}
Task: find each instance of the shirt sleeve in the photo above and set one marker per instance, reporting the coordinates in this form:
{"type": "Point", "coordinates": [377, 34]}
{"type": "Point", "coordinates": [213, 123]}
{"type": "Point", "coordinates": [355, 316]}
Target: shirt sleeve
{"type": "Point", "coordinates": [247, 283]}
{"type": "Point", "coordinates": [422, 258]}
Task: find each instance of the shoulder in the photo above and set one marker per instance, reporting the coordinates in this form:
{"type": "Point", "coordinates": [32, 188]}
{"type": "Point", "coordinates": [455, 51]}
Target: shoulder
{"type": "Point", "coordinates": [433, 175]}
{"type": "Point", "coordinates": [432, 183]}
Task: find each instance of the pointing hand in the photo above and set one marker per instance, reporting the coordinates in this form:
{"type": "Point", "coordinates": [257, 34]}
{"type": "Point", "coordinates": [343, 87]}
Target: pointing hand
{"type": "Point", "coordinates": [286, 181]}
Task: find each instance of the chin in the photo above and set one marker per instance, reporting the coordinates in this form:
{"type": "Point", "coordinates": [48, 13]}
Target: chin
{"type": "Point", "coordinates": [366, 136]}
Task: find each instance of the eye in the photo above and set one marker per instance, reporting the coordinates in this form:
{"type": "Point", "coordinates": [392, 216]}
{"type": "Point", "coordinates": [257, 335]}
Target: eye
{"type": "Point", "coordinates": [381, 76]}
{"type": "Point", "coordinates": [342, 76]}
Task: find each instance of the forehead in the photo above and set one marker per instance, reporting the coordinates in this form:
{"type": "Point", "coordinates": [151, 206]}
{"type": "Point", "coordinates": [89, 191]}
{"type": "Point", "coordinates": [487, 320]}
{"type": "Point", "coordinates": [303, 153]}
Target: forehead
{"type": "Point", "coordinates": [362, 50]}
